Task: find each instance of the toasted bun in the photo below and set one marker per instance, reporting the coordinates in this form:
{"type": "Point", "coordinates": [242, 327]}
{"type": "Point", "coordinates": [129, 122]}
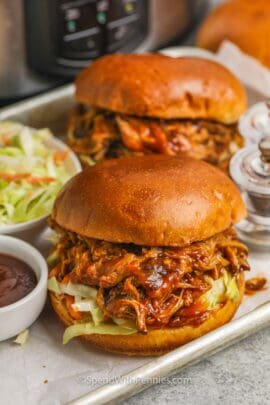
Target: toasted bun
{"type": "Point", "coordinates": [152, 200]}
{"type": "Point", "coordinates": [153, 85]}
{"type": "Point", "coordinates": [158, 341]}
{"type": "Point", "coordinates": [244, 22]}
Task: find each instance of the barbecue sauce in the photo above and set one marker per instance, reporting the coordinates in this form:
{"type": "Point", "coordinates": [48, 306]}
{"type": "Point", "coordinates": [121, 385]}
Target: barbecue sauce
{"type": "Point", "coordinates": [254, 285]}
{"type": "Point", "coordinates": [17, 279]}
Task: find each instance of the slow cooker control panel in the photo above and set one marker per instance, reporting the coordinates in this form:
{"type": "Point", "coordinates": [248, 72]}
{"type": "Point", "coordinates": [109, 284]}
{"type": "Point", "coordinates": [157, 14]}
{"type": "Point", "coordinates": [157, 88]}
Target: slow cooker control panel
{"type": "Point", "coordinates": [80, 33]}
{"type": "Point", "coordinates": [81, 30]}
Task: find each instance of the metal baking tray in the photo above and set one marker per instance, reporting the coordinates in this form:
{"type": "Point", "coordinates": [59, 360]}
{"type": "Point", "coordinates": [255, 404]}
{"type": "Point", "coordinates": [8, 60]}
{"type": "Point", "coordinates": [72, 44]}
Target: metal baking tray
{"type": "Point", "coordinates": [51, 110]}
{"type": "Point", "coordinates": [47, 110]}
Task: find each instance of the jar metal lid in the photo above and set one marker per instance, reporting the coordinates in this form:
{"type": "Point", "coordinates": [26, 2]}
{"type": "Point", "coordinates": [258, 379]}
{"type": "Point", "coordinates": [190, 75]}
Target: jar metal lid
{"type": "Point", "coordinates": [249, 171]}
{"type": "Point", "coordinates": [255, 123]}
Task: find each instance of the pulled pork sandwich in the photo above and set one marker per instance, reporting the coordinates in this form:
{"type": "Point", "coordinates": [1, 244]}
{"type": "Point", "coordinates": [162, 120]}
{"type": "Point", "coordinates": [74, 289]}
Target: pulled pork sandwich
{"type": "Point", "coordinates": [151, 103]}
{"type": "Point", "coordinates": [146, 257]}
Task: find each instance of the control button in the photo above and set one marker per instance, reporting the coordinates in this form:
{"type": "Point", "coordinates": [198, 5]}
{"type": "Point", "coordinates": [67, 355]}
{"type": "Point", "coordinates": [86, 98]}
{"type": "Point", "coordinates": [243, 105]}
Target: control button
{"type": "Point", "coordinates": [122, 8]}
{"type": "Point", "coordinates": [72, 14]}
{"type": "Point", "coordinates": [71, 26]}
{"type": "Point", "coordinates": [118, 36]}
{"type": "Point", "coordinates": [86, 47]}
{"type": "Point", "coordinates": [101, 17]}
{"type": "Point", "coordinates": [129, 7]}
{"type": "Point", "coordinates": [103, 5]}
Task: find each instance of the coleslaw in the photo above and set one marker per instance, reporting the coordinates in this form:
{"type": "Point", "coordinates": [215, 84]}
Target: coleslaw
{"type": "Point", "coordinates": [31, 172]}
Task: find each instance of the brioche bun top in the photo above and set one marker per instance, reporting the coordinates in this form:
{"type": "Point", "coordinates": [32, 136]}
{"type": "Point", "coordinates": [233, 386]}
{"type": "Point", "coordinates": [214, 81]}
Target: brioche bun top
{"type": "Point", "coordinates": [152, 200]}
{"type": "Point", "coordinates": [158, 86]}
{"type": "Point", "coordinates": [244, 22]}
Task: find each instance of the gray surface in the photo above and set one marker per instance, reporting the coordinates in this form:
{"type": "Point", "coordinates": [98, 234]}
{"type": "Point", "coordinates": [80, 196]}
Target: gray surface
{"type": "Point", "coordinates": [238, 375]}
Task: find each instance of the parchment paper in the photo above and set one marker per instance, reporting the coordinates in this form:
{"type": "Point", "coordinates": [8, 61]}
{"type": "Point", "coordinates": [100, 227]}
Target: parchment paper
{"type": "Point", "coordinates": [43, 371]}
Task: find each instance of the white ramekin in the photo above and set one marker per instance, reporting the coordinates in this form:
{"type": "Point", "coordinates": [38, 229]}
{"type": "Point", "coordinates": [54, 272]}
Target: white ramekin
{"type": "Point", "coordinates": [16, 317]}
{"type": "Point", "coordinates": [29, 231]}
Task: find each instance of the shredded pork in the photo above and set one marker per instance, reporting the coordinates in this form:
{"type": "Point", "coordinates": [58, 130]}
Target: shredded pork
{"type": "Point", "coordinates": [96, 134]}
{"type": "Point", "coordinates": [154, 286]}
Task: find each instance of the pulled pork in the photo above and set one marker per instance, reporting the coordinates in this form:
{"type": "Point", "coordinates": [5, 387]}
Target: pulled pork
{"type": "Point", "coordinates": [154, 286]}
{"type": "Point", "coordinates": [97, 134]}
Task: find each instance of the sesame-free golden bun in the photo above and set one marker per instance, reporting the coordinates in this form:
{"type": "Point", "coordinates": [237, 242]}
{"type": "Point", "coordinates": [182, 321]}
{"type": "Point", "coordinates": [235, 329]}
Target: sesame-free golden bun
{"type": "Point", "coordinates": [158, 86]}
{"type": "Point", "coordinates": [156, 341]}
{"type": "Point", "coordinates": [154, 200]}
{"type": "Point", "coordinates": [244, 22]}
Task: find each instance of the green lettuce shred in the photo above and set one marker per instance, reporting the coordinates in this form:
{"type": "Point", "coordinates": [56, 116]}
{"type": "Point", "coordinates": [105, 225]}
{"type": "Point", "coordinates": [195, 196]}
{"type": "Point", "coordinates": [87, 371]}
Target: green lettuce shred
{"type": "Point", "coordinates": [222, 289]}
{"type": "Point", "coordinates": [74, 290]}
{"type": "Point", "coordinates": [232, 290]}
{"type": "Point", "coordinates": [89, 328]}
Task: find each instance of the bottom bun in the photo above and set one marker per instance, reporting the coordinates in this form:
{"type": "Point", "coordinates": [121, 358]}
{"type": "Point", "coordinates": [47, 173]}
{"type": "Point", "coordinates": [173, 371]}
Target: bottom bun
{"type": "Point", "coordinates": [157, 341]}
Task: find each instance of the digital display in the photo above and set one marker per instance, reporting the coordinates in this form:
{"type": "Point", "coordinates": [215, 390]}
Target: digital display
{"type": "Point", "coordinates": [91, 28]}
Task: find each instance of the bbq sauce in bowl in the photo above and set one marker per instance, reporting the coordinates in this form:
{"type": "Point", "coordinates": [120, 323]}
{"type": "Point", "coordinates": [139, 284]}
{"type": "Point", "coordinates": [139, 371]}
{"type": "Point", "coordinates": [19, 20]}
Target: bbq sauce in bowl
{"type": "Point", "coordinates": [17, 279]}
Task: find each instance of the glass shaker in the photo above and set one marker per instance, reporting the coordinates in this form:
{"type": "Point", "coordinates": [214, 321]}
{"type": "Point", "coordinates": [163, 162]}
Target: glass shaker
{"type": "Point", "coordinates": [250, 169]}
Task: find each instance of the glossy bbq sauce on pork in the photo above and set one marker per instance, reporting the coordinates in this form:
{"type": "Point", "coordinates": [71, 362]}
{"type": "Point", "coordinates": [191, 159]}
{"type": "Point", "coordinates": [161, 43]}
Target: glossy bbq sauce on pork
{"type": "Point", "coordinates": [154, 286]}
{"type": "Point", "coordinates": [17, 279]}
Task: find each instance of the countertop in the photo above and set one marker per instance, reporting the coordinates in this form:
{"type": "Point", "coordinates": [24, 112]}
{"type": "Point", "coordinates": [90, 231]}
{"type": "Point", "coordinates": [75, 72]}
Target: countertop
{"type": "Point", "coordinates": [238, 375]}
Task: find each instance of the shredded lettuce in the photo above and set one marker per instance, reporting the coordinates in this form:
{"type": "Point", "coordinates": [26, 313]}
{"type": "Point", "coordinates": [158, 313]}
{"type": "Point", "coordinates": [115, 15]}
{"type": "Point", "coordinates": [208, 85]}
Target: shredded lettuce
{"type": "Point", "coordinates": [79, 289]}
{"type": "Point", "coordinates": [84, 297]}
{"type": "Point", "coordinates": [22, 338]}
{"type": "Point", "coordinates": [89, 328]}
{"type": "Point", "coordinates": [125, 323]}
{"type": "Point", "coordinates": [84, 301]}
{"type": "Point", "coordinates": [74, 290]}
{"type": "Point", "coordinates": [97, 316]}
{"type": "Point", "coordinates": [232, 290]}
{"type": "Point", "coordinates": [83, 304]}
{"type": "Point", "coordinates": [53, 258]}
{"type": "Point", "coordinates": [222, 289]}
{"type": "Point", "coordinates": [31, 173]}
{"type": "Point", "coordinates": [216, 293]}
{"type": "Point", "coordinates": [53, 237]}
{"type": "Point", "coordinates": [54, 286]}
{"type": "Point", "coordinates": [88, 305]}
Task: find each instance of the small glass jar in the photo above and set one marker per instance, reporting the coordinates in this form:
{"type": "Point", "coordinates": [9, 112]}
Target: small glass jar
{"type": "Point", "coordinates": [250, 169]}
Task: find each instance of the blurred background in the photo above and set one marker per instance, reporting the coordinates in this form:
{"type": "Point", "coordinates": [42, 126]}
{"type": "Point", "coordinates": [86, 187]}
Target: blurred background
{"type": "Point", "coordinates": [44, 44]}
